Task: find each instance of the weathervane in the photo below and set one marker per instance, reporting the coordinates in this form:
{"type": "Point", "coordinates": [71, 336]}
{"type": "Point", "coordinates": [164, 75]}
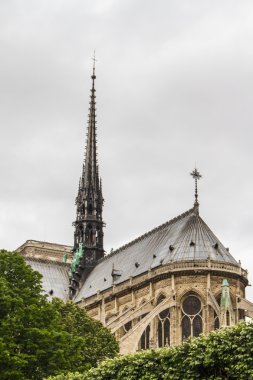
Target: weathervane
{"type": "Point", "coordinates": [196, 175]}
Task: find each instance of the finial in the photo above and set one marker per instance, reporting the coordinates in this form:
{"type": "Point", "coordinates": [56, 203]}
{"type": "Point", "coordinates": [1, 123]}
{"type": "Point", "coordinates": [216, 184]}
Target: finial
{"type": "Point", "coordinates": [94, 64]}
{"type": "Point", "coordinates": [196, 175]}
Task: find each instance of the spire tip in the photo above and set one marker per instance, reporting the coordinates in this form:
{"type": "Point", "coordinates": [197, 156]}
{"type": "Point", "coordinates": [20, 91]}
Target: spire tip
{"type": "Point", "coordinates": [196, 176]}
{"type": "Point", "coordinates": [94, 65]}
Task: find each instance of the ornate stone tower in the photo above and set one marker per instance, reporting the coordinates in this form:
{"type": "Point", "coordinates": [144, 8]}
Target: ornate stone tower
{"type": "Point", "coordinates": [88, 236]}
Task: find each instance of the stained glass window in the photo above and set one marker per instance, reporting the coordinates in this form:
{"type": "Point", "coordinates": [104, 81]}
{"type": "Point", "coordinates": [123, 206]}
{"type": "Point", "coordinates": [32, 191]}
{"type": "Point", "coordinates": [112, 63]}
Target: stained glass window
{"type": "Point", "coordinates": [186, 327]}
{"type": "Point", "coordinates": [197, 325]}
{"type": "Point", "coordinates": [216, 321]}
{"type": "Point", "coordinates": [191, 305]}
{"type": "Point", "coordinates": [192, 324]}
{"type": "Point", "coordinates": [144, 341]}
{"type": "Point", "coordinates": [163, 328]}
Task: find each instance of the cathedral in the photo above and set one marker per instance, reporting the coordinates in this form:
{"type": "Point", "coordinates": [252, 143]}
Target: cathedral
{"type": "Point", "coordinates": [173, 282]}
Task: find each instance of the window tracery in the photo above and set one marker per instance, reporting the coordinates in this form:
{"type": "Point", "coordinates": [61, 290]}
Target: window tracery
{"type": "Point", "coordinates": [145, 339]}
{"type": "Point", "coordinates": [160, 298]}
{"type": "Point", "coordinates": [127, 326]}
{"type": "Point", "coordinates": [163, 328]}
{"type": "Point", "coordinates": [192, 323]}
{"type": "Point", "coordinates": [216, 322]}
{"type": "Point", "coordinates": [163, 325]}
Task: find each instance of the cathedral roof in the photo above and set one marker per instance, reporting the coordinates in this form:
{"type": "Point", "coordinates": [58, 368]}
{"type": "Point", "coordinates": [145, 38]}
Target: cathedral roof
{"type": "Point", "coordinates": [184, 238]}
{"type": "Point", "coordinates": [47, 259]}
{"type": "Point", "coordinates": [55, 280]}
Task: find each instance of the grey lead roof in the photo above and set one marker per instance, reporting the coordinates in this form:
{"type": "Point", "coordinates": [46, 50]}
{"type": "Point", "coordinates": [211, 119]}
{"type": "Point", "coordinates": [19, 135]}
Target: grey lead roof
{"type": "Point", "coordinates": [55, 277]}
{"type": "Point", "coordinates": [184, 238]}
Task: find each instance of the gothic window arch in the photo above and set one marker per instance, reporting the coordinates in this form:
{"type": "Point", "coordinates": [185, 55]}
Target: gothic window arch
{"type": "Point", "coordinates": [127, 326]}
{"type": "Point", "coordinates": [191, 322]}
{"type": "Point", "coordinates": [89, 233]}
{"type": "Point", "coordinates": [160, 298]}
{"type": "Point", "coordinates": [144, 342]}
{"type": "Point", "coordinates": [80, 234]}
{"type": "Point", "coordinates": [163, 325]}
{"type": "Point", "coordinates": [97, 233]}
{"type": "Point", "coordinates": [216, 324]}
{"type": "Point", "coordinates": [216, 317]}
{"type": "Point", "coordinates": [228, 318]}
{"type": "Point", "coordinates": [145, 339]}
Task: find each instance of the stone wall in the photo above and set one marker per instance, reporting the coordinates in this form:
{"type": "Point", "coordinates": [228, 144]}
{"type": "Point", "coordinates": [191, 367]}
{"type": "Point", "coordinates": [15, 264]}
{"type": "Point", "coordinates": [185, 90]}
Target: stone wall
{"type": "Point", "coordinates": [133, 307]}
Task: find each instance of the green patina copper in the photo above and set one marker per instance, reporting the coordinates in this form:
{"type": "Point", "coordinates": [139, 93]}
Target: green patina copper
{"type": "Point", "coordinates": [65, 257]}
{"type": "Point", "coordinates": [78, 254]}
{"type": "Point", "coordinates": [225, 302]}
{"type": "Point", "coordinates": [225, 282]}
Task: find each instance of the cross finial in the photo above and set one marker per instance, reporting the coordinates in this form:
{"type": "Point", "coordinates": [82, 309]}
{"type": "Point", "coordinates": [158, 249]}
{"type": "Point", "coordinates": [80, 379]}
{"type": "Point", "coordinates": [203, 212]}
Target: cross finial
{"type": "Point", "coordinates": [196, 176]}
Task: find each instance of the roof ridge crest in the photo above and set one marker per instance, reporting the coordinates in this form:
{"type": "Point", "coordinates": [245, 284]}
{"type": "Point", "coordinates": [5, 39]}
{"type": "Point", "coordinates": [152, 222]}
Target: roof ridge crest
{"type": "Point", "coordinates": [46, 261]}
{"type": "Point", "coordinates": [43, 242]}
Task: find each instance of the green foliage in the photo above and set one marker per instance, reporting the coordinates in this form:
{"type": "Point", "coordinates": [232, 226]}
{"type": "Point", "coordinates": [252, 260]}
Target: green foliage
{"type": "Point", "coordinates": [39, 338]}
{"type": "Point", "coordinates": [69, 376]}
{"type": "Point", "coordinates": [224, 354]}
{"type": "Point", "coordinates": [95, 341]}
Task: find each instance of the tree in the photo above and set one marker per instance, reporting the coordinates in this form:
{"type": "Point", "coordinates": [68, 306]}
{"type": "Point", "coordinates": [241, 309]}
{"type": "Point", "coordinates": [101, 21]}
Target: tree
{"type": "Point", "coordinates": [223, 354]}
{"type": "Point", "coordinates": [97, 343]}
{"type": "Point", "coordinates": [39, 338]}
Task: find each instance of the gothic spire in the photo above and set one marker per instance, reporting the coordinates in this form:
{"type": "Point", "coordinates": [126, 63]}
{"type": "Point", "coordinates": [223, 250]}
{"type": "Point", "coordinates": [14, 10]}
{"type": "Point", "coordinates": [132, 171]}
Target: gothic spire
{"type": "Point", "coordinates": [88, 235]}
{"type": "Point", "coordinates": [90, 168]}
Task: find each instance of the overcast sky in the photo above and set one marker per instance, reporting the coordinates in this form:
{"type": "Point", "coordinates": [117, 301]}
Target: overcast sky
{"type": "Point", "coordinates": [174, 88]}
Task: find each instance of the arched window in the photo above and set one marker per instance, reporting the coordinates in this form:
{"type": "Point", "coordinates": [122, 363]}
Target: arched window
{"type": "Point", "coordinates": [89, 234]}
{"type": "Point", "coordinates": [80, 234]}
{"type": "Point", "coordinates": [192, 324]}
{"type": "Point", "coordinates": [163, 325]}
{"type": "Point", "coordinates": [186, 327]}
{"type": "Point", "coordinates": [163, 328]}
{"type": "Point", "coordinates": [90, 209]}
{"type": "Point", "coordinates": [228, 318]}
{"type": "Point", "coordinates": [216, 322]}
{"type": "Point", "coordinates": [128, 326]}
{"type": "Point", "coordinates": [160, 298]}
{"type": "Point", "coordinates": [145, 337]}
{"type": "Point", "coordinates": [197, 326]}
